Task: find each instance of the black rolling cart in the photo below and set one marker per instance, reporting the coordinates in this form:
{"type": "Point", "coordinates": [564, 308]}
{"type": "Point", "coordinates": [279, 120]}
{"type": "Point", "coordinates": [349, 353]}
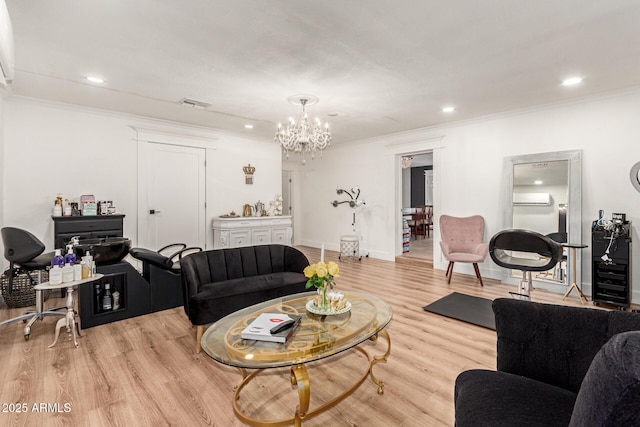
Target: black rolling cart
{"type": "Point", "coordinates": [611, 262]}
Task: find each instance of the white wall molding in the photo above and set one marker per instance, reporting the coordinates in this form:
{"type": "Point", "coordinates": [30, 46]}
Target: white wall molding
{"type": "Point", "coordinates": [175, 137]}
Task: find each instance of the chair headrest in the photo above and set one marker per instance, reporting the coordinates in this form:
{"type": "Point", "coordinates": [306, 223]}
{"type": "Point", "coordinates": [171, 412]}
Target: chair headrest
{"type": "Point", "coordinates": [19, 245]}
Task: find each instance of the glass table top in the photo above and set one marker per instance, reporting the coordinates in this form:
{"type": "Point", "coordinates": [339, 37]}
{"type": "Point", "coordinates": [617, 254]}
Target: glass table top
{"type": "Point", "coordinates": [316, 337]}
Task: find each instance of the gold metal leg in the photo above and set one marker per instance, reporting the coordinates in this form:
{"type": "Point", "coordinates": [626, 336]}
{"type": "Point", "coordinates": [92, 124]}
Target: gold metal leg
{"type": "Point", "coordinates": [574, 257]}
{"type": "Point", "coordinates": [378, 359]}
{"type": "Point", "coordinates": [199, 333]}
{"type": "Point", "coordinates": [300, 378]}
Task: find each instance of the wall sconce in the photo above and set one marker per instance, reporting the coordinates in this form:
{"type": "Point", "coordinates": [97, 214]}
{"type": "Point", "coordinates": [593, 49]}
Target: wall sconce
{"type": "Point", "coordinates": [248, 173]}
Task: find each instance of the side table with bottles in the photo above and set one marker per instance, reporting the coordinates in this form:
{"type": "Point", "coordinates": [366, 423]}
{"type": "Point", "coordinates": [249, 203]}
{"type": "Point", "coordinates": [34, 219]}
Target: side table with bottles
{"type": "Point", "coordinates": [69, 321]}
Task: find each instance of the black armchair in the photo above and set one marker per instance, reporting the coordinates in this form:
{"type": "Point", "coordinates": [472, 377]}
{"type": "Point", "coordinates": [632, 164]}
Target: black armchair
{"type": "Point", "coordinates": [556, 366]}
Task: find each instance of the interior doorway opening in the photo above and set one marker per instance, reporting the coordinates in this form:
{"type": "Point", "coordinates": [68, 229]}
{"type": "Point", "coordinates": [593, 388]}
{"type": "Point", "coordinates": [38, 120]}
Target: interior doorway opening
{"type": "Point", "coordinates": [417, 208]}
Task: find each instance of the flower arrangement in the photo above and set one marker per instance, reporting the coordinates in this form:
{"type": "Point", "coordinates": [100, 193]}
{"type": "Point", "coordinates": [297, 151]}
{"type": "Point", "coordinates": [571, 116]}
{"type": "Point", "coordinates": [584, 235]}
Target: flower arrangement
{"type": "Point", "coordinates": [321, 276]}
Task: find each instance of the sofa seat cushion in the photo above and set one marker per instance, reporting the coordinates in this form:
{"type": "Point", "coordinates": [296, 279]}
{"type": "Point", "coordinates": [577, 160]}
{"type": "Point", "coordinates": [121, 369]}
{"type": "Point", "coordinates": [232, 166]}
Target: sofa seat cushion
{"type": "Point", "coordinates": [217, 299]}
{"type": "Point", "coordinates": [495, 398]}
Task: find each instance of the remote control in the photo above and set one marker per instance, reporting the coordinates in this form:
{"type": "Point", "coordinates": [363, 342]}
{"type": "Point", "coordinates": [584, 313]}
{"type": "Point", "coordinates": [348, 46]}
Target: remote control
{"type": "Point", "coordinates": [281, 327]}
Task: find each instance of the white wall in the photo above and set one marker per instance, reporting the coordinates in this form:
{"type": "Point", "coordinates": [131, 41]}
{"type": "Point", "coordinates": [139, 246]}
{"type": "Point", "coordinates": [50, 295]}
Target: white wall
{"type": "Point", "coordinates": [55, 148]}
{"type": "Point", "coordinates": [468, 173]}
{"type": "Point", "coordinates": [2, 179]}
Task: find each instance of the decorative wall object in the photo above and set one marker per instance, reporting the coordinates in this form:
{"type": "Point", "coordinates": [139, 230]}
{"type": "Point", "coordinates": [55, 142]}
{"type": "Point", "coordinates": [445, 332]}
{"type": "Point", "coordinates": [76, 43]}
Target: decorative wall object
{"type": "Point", "coordinates": [248, 173]}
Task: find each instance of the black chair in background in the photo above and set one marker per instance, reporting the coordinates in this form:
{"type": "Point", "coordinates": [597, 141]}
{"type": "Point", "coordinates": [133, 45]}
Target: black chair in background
{"type": "Point", "coordinates": [161, 269]}
{"type": "Point", "coordinates": [24, 251]}
{"type": "Point", "coordinates": [546, 254]}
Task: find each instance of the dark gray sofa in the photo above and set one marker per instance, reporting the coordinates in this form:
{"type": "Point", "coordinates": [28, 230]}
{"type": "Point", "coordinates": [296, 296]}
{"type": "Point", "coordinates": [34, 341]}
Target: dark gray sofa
{"type": "Point", "coordinates": [220, 281]}
{"type": "Point", "coordinates": [556, 366]}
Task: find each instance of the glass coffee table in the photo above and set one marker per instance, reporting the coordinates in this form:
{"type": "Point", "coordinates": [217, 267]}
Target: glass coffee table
{"type": "Point", "coordinates": [317, 337]}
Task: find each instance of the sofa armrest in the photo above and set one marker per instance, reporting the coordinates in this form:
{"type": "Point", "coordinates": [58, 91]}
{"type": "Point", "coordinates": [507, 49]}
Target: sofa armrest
{"type": "Point", "coordinates": [552, 343]}
{"type": "Point", "coordinates": [295, 260]}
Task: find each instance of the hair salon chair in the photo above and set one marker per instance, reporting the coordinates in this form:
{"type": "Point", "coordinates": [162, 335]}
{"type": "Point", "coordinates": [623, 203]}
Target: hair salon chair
{"type": "Point", "coordinates": [24, 251]}
{"type": "Point", "coordinates": [161, 269]}
{"type": "Point", "coordinates": [526, 251]}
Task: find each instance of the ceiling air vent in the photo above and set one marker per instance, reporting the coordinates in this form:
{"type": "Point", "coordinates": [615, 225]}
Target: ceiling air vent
{"type": "Point", "coordinates": [193, 103]}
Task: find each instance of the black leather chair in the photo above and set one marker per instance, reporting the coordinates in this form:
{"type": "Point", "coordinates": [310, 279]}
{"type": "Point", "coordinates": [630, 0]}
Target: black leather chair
{"type": "Point", "coordinates": [24, 251]}
{"type": "Point", "coordinates": [546, 253]}
{"type": "Point", "coordinates": [559, 237]}
{"type": "Point", "coordinates": [161, 269]}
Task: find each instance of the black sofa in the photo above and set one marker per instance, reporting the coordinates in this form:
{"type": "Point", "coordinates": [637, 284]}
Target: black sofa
{"type": "Point", "coordinates": [556, 366]}
{"type": "Point", "coordinates": [220, 281]}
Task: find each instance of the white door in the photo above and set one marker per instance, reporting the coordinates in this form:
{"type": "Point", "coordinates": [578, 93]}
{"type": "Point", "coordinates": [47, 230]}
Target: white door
{"type": "Point", "coordinates": [175, 196]}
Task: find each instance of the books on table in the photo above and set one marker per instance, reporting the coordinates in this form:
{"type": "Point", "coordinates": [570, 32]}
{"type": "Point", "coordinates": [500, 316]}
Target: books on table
{"type": "Point", "coordinates": [261, 327]}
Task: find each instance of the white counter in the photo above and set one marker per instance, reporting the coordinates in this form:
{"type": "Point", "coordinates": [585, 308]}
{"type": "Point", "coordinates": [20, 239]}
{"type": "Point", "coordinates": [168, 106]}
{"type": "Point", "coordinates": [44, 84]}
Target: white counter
{"type": "Point", "coordinates": [252, 230]}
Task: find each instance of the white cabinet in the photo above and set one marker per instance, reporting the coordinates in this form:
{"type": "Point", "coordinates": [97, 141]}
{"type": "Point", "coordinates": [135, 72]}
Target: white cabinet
{"type": "Point", "coordinates": [249, 231]}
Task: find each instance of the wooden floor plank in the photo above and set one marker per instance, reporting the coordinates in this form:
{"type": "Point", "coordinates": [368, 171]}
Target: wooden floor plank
{"type": "Point", "coordinates": [144, 371]}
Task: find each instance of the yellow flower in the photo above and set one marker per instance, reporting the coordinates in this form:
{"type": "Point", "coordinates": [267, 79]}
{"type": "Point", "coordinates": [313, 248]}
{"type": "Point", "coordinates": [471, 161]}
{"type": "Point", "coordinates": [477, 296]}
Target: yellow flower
{"type": "Point", "coordinates": [333, 269]}
{"type": "Point", "coordinates": [321, 269]}
{"type": "Point", "coordinates": [309, 271]}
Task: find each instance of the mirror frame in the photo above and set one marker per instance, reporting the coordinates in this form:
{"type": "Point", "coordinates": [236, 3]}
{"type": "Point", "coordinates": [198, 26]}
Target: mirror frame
{"type": "Point", "coordinates": [574, 211]}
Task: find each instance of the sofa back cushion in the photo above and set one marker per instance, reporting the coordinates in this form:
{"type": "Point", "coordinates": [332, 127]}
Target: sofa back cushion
{"type": "Point", "coordinates": [552, 343]}
{"type": "Point", "coordinates": [610, 393]}
{"type": "Point", "coordinates": [234, 263]}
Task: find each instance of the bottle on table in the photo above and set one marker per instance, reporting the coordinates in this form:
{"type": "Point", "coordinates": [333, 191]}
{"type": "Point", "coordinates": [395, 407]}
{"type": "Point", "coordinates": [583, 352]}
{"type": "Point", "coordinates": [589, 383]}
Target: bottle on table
{"type": "Point", "coordinates": [107, 300]}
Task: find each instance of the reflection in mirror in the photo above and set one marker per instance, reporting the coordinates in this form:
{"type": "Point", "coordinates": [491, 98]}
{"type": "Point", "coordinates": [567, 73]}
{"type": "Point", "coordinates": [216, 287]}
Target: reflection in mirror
{"type": "Point", "coordinates": [540, 197]}
{"type": "Point", "coordinates": [542, 193]}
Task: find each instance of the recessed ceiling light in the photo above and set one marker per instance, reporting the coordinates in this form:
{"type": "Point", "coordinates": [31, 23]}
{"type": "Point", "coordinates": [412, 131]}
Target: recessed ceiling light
{"type": "Point", "coordinates": [448, 109]}
{"type": "Point", "coordinates": [572, 81]}
{"type": "Point", "coordinates": [94, 79]}
{"type": "Point", "coordinates": [537, 182]}
{"type": "Point", "coordinates": [248, 126]}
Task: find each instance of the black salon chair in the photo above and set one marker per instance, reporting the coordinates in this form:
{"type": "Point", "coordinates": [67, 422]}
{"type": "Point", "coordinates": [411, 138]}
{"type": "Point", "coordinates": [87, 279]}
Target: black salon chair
{"type": "Point", "coordinates": [560, 237]}
{"type": "Point", "coordinates": [24, 251]}
{"type": "Point", "coordinates": [161, 269]}
{"type": "Point", "coordinates": [543, 254]}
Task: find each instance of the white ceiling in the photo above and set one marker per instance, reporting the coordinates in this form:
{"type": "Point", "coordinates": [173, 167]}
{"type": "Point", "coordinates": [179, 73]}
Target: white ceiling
{"type": "Point", "coordinates": [382, 66]}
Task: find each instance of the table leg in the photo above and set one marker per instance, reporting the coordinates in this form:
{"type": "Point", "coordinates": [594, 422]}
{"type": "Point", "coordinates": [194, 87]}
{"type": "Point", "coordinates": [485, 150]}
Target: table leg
{"type": "Point", "coordinates": [378, 359]}
{"type": "Point", "coordinates": [300, 378]}
{"type": "Point", "coordinates": [574, 285]}
{"type": "Point", "coordinates": [68, 321]}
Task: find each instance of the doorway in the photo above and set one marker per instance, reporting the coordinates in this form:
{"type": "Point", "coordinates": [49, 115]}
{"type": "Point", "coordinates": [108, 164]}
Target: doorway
{"type": "Point", "coordinates": [417, 208]}
{"type": "Point", "coordinates": [174, 192]}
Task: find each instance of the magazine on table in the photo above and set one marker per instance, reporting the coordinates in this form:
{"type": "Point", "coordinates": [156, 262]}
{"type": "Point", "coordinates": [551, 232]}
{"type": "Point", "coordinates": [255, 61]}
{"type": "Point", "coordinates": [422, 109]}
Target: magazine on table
{"type": "Point", "coordinates": [274, 327]}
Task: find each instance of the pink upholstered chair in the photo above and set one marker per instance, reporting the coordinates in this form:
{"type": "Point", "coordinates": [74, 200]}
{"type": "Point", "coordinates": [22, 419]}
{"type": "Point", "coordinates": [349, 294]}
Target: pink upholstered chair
{"type": "Point", "coordinates": [461, 241]}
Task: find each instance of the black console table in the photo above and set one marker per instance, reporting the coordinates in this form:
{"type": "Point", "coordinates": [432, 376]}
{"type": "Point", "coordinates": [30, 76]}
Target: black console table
{"type": "Point", "coordinates": [86, 227]}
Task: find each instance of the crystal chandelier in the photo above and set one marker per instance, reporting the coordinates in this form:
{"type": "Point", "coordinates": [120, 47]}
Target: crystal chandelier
{"type": "Point", "coordinates": [406, 162]}
{"type": "Point", "coordinates": [302, 136]}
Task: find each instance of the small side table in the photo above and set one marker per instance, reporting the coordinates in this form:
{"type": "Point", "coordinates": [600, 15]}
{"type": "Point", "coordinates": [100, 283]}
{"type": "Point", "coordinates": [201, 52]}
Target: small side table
{"type": "Point", "coordinates": [70, 319]}
{"type": "Point", "coordinates": [574, 257]}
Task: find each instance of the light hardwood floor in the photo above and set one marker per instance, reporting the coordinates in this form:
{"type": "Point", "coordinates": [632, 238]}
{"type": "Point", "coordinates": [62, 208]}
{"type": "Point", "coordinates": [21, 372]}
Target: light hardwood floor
{"type": "Point", "coordinates": [144, 372]}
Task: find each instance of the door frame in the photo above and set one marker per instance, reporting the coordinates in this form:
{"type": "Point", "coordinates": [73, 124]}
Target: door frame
{"type": "Point", "coordinates": [144, 137]}
{"type": "Point", "coordinates": [406, 148]}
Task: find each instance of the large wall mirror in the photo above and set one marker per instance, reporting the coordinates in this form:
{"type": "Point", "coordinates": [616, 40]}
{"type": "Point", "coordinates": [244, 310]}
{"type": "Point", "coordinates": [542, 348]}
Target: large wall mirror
{"type": "Point", "coordinates": [543, 194]}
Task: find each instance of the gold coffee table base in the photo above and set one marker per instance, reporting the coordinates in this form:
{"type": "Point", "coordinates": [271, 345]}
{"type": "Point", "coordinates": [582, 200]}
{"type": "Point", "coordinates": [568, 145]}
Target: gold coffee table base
{"type": "Point", "coordinates": [300, 380]}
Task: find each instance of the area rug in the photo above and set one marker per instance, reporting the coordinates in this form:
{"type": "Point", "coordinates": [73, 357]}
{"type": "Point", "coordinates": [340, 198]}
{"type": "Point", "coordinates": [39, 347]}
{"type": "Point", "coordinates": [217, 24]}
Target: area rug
{"type": "Point", "coordinates": [466, 308]}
